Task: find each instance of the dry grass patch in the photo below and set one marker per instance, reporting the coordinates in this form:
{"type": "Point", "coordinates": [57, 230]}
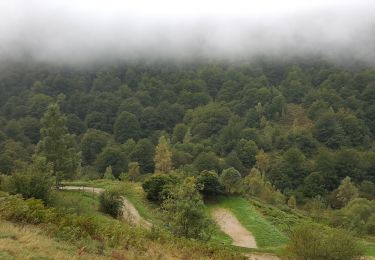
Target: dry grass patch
{"type": "Point", "coordinates": [28, 242]}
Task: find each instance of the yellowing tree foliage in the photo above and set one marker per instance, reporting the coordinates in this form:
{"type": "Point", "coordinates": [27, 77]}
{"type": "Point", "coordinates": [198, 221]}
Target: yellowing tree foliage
{"type": "Point", "coordinates": [163, 156]}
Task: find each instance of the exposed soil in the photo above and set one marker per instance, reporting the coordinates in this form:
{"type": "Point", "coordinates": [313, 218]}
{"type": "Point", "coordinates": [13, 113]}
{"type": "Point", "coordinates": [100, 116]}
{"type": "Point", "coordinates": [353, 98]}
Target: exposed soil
{"type": "Point", "coordinates": [229, 224]}
{"type": "Point", "coordinates": [260, 256]}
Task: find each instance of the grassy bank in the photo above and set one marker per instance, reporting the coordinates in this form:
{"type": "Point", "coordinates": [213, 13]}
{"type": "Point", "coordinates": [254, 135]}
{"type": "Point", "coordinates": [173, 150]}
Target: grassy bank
{"type": "Point", "coordinates": [267, 236]}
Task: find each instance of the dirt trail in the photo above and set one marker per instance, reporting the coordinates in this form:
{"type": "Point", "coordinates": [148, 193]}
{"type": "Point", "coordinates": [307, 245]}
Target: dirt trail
{"type": "Point", "coordinates": [229, 224]}
{"type": "Point", "coordinates": [260, 256]}
{"type": "Point", "coordinates": [130, 213]}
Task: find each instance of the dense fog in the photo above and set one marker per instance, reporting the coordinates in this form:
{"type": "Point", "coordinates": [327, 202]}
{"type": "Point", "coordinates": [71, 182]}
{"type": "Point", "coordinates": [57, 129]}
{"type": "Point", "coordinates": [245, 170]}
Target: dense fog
{"type": "Point", "coordinates": [84, 31]}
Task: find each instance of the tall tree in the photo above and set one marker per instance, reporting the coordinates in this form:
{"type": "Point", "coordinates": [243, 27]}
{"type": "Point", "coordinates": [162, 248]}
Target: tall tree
{"type": "Point", "coordinates": [163, 156]}
{"type": "Point", "coordinates": [143, 153]}
{"type": "Point", "coordinates": [57, 145]}
{"type": "Point", "coordinates": [126, 127]}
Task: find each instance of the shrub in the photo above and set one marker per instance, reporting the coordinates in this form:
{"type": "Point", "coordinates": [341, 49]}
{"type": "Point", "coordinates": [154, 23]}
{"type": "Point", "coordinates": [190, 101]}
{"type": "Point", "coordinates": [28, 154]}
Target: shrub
{"type": "Point", "coordinates": [313, 242]}
{"type": "Point", "coordinates": [185, 211]}
{"type": "Point", "coordinates": [155, 186]}
{"type": "Point", "coordinates": [354, 216]}
{"type": "Point", "coordinates": [370, 225]}
{"type": "Point", "coordinates": [111, 203]}
{"type": "Point", "coordinates": [256, 185]}
{"type": "Point", "coordinates": [346, 192]}
{"type": "Point", "coordinates": [210, 182]}
{"type": "Point", "coordinates": [31, 182]}
{"type": "Point", "coordinates": [292, 203]}
{"type": "Point", "coordinates": [31, 211]}
{"type": "Point", "coordinates": [231, 180]}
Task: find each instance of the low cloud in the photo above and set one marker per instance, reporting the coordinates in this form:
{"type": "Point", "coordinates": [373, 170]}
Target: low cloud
{"type": "Point", "coordinates": [86, 31]}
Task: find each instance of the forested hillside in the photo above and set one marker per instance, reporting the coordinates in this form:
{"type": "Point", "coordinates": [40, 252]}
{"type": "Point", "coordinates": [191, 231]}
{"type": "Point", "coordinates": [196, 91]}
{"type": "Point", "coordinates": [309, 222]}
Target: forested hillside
{"type": "Point", "coordinates": [269, 145]}
{"type": "Point", "coordinates": [313, 124]}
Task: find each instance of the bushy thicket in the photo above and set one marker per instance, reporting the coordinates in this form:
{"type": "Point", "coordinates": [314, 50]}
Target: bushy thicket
{"type": "Point", "coordinates": [314, 242]}
{"type": "Point", "coordinates": [31, 181]}
{"type": "Point", "coordinates": [111, 203]}
{"type": "Point", "coordinates": [185, 213]}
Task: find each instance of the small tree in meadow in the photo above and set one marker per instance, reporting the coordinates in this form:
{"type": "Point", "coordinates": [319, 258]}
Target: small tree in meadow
{"type": "Point", "coordinates": [185, 212]}
{"type": "Point", "coordinates": [108, 174]}
{"type": "Point", "coordinates": [134, 171]}
{"type": "Point", "coordinates": [292, 202]}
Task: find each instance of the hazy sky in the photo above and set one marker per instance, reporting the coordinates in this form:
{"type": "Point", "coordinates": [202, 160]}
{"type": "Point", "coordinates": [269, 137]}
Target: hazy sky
{"type": "Point", "coordinates": [89, 30]}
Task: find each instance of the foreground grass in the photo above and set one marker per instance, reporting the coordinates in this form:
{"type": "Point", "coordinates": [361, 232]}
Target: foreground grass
{"type": "Point", "coordinates": [35, 245]}
{"type": "Point", "coordinates": [95, 237]}
{"type": "Point", "coordinates": [82, 203]}
{"type": "Point", "coordinates": [267, 236]}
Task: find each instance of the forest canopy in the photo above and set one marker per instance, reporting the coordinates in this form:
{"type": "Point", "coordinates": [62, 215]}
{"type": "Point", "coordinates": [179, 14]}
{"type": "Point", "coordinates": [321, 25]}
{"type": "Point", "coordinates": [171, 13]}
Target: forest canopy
{"type": "Point", "coordinates": [304, 126]}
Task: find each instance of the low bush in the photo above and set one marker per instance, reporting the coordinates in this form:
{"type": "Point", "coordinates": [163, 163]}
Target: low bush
{"type": "Point", "coordinates": [156, 186]}
{"type": "Point", "coordinates": [314, 242]}
{"type": "Point", "coordinates": [111, 203]}
{"type": "Point", "coordinates": [31, 182]}
{"type": "Point", "coordinates": [210, 182]}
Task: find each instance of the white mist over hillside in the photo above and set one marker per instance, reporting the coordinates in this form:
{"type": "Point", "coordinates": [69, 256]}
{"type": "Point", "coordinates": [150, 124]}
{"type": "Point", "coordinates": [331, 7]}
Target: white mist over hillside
{"type": "Point", "coordinates": [89, 30]}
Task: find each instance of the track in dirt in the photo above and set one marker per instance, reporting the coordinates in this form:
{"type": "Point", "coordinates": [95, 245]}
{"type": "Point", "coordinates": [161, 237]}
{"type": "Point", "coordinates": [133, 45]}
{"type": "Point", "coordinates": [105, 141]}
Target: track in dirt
{"type": "Point", "coordinates": [229, 224]}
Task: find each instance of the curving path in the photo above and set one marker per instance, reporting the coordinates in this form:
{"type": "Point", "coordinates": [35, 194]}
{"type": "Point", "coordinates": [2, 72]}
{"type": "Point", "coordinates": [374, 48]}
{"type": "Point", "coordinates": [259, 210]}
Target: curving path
{"type": "Point", "coordinates": [130, 213]}
{"type": "Point", "coordinates": [229, 224]}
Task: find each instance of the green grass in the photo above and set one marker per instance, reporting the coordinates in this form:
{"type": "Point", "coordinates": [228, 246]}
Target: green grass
{"type": "Point", "coordinates": [266, 234]}
{"type": "Point", "coordinates": [79, 202]}
{"type": "Point", "coordinates": [369, 248]}
{"type": "Point", "coordinates": [283, 218]}
{"type": "Point", "coordinates": [82, 203]}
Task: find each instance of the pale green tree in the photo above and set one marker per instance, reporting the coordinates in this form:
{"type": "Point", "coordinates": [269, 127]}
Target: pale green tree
{"type": "Point", "coordinates": [133, 171]}
{"type": "Point", "coordinates": [346, 191]}
{"type": "Point", "coordinates": [163, 156]}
